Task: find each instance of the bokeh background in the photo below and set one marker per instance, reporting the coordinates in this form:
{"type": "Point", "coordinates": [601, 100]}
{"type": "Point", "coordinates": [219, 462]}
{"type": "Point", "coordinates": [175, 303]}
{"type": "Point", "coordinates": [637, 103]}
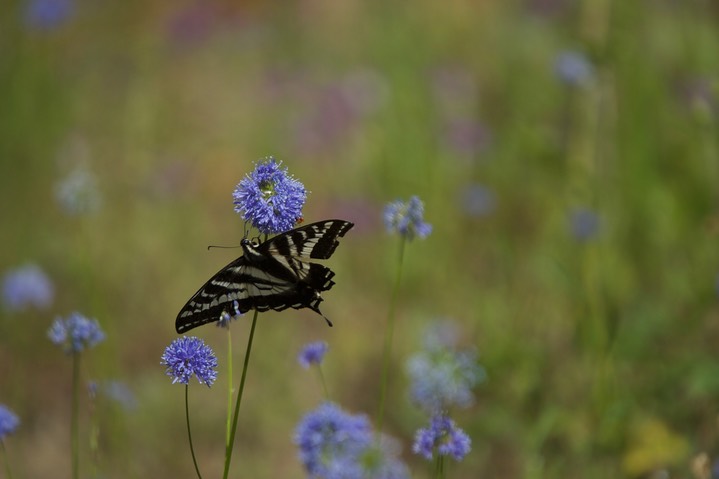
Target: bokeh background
{"type": "Point", "coordinates": [568, 156]}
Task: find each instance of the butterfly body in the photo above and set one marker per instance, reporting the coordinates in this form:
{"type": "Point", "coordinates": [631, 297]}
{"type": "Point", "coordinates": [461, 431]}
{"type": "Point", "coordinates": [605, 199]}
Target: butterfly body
{"type": "Point", "coordinates": [275, 274]}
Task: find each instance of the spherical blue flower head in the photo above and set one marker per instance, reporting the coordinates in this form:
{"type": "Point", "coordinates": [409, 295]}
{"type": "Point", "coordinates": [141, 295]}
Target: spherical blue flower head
{"type": "Point", "coordinates": [478, 200]}
{"type": "Point", "coordinates": [584, 224]}
{"type": "Point", "coordinates": [9, 422]}
{"type": "Point", "coordinates": [443, 378]}
{"type": "Point", "coordinates": [312, 353]}
{"type": "Point", "coordinates": [186, 356]}
{"type": "Point", "coordinates": [407, 219]}
{"type": "Point", "coordinates": [573, 68]}
{"type": "Point", "coordinates": [442, 436]}
{"type": "Point", "coordinates": [331, 441]}
{"type": "Point", "coordinates": [75, 333]}
{"type": "Point", "coordinates": [25, 287]}
{"type": "Point", "coordinates": [270, 198]}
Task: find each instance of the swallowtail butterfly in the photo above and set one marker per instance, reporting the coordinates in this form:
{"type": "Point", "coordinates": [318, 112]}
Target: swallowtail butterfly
{"type": "Point", "coordinates": [276, 274]}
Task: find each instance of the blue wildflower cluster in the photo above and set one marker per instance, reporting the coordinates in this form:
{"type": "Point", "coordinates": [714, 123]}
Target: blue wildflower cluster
{"type": "Point", "coordinates": [9, 422]}
{"type": "Point", "coordinates": [441, 378]}
{"type": "Point", "coordinates": [188, 356]}
{"type": "Point", "coordinates": [442, 436]}
{"type": "Point", "coordinates": [334, 444]}
{"type": "Point", "coordinates": [75, 333]}
{"type": "Point", "coordinates": [407, 219]}
{"type": "Point", "coordinates": [270, 198]}
{"type": "Point", "coordinates": [48, 14]}
{"type": "Point", "coordinates": [25, 287]}
{"type": "Point", "coordinates": [312, 353]}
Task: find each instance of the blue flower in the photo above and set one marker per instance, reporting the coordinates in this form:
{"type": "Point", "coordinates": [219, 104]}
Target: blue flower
{"type": "Point", "coordinates": [584, 224]}
{"type": "Point", "coordinates": [573, 68]}
{"type": "Point", "coordinates": [407, 218]}
{"type": "Point", "coordinates": [120, 392]}
{"type": "Point", "coordinates": [78, 193]}
{"type": "Point", "coordinates": [312, 353]}
{"type": "Point", "coordinates": [186, 356]}
{"type": "Point", "coordinates": [332, 441]}
{"type": "Point", "coordinates": [9, 422]}
{"type": "Point", "coordinates": [75, 333]}
{"type": "Point", "coordinates": [48, 14]}
{"type": "Point", "coordinates": [270, 198]}
{"type": "Point", "coordinates": [441, 377]}
{"type": "Point", "coordinates": [27, 286]}
{"type": "Point", "coordinates": [443, 437]}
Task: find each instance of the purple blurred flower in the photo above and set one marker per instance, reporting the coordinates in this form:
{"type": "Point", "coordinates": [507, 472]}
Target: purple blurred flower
{"type": "Point", "coordinates": [442, 437]}
{"type": "Point", "coordinates": [312, 353]}
{"type": "Point", "coordinates": [407, 218]}
{"type": "Point", "coordinates": [9, 422]}
{"type": "Point", "coordinates": [25, 287]}
{"type": "Point", "coordinates": [466, 136]}
{"type": "Point", "coordinates": [270, 198]}
{"type": "Point", "coordinates": [584, 224]}
{"type": "Point", "coordinates": [188, 356]}
{"type": "Point", "coordinates": [332, 441]}
{"type": "Point", "coordinates": [48, 14]}
{"type": "Point", "coordinates": [75, 333]}
{"type": "Point", "coordinates": [573, 68]}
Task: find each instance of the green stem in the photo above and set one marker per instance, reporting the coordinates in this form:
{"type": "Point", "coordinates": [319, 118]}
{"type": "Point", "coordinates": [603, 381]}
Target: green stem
{"type": "Point", "coordinates": [74, 416]}
{"type": "Point", "coordinates": [229, 387]}
{"type": "Point", "coordinates": [440, 466]}
{"type": "Point", "coordinates": [324, 384]}
{"type": "Point", "coordinates": [7, 461]}
{"type": "Point", "coordinates": [228, 450]}
{"type": "Point", "coordinates": [389, 333]}
{"type": "Point", "coordinates": [189, 434]}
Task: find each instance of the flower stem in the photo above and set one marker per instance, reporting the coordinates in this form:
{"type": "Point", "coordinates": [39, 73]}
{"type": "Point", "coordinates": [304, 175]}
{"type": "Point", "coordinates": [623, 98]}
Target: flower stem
{"type": "Point", "coordinates": [74, 416]}
{"type": "Point", "coordinates": [7, 462]}
{"type": "Point", "coordinates": [189, 434]}
{"type": "Point", "coordinates": [229, 387]}
{"type": "Point", "coordinates": [324, 384]}
{"type": "Point", "coordinates": [389, 333]}
{"type": "Point", "coordinates": [439, 468]}
{"type": "Point", "coordinates": [228, 450]}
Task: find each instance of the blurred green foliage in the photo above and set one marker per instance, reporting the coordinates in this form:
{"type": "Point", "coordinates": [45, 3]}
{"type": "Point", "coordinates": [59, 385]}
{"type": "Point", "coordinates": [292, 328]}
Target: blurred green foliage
{"type": "Point", "coordinates": [585, 270]}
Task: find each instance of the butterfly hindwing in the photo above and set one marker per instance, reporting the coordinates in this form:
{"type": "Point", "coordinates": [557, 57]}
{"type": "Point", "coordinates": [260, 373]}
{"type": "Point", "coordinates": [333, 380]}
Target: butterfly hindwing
{"type": "Point", "coordinates": [274, 275]}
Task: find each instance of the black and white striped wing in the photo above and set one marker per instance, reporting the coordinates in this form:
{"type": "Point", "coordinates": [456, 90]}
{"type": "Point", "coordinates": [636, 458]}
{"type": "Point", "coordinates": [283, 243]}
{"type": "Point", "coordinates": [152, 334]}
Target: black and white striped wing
{"type": "Point", "coordinates": [274, 275]}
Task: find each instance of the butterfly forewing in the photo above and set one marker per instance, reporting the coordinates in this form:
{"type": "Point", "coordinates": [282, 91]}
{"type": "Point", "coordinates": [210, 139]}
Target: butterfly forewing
{"type": "Point", "coordinates": [278, 277]}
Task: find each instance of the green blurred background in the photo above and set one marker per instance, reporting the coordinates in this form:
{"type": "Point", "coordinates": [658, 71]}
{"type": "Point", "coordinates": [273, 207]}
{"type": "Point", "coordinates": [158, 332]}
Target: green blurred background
{"type": "Point", "coordinates": [568, 156]}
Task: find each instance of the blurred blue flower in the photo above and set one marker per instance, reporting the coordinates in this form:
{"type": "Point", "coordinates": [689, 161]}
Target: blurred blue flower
{"type": "Point", "coordinates": [48, 14]}
{"type": "Point", "coordinates": [270, 198]}
{"type": "Point", "coordinates": [478, 200]}
{"type": "Point", "coordinates": [583, 224]}
{"type": "Point", "coordinates": [443, 437]}
{"type": "Point", "coordinates": [78, 193]}
{"type": "Point", "coordinates": [186, 356]}
{"type": "Point", "coordinates": [312, 353]}
{"type": "Point", "coordinates": [441, 377]}
{"type": "Point", "coordinates": [331, 442]}
{"type": "Point", "coordinates": [27, 286]}
{"type": "Point", "coordinates": [75, 333]}
{"type": "Point", "coordinates": [120, 393]}
{"type": "Point", "coordinates": [573, 68]}
{"type": "Point", "coordinates": [9, 422]}
{"type": "Point", "coordinates": [406, 218]}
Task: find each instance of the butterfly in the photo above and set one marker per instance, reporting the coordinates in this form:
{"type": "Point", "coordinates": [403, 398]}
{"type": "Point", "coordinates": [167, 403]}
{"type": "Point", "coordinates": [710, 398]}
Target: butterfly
{"type": "Point", "coordinates": [275, 274]}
